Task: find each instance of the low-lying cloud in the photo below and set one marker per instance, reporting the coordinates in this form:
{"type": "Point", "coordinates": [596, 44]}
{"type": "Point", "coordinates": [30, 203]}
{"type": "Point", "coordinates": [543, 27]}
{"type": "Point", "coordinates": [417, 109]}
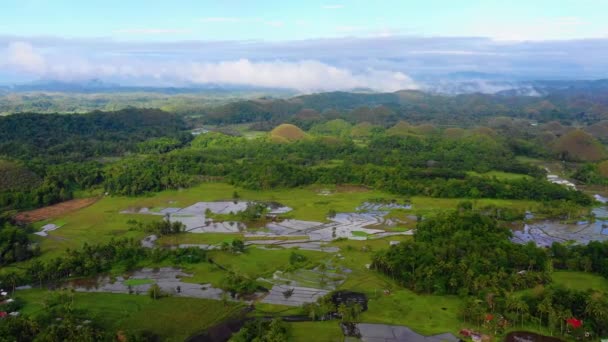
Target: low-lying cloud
{"type": "Point", "coordinates": [303, 75]}
{"type": "Point", "coordinates": [379, 63]}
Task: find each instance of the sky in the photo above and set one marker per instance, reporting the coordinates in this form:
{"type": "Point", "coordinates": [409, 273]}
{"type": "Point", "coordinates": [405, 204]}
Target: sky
{"type": "Point", "coordinates": [306, 45]}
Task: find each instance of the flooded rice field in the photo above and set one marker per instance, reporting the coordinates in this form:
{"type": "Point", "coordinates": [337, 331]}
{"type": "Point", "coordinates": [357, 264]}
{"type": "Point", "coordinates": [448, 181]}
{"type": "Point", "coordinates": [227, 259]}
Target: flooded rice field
{"type": "Point", "coordinates": [544, 233]}
{"type": "Point", "coordinates": [47, 228]}
{"type": "Point", "coordinates": [169, 279]}
{"type": "Point", "coordinates": [357, 225]}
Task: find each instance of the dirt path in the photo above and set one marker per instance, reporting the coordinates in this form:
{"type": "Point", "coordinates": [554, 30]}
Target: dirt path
{"type": "Point", "coordinates": [54, 210]}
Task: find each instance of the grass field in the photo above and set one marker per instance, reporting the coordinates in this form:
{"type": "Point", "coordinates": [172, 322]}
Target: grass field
{"type": "Point", "coordinates": [580, 280]}
{"type": "Point", "coordinates": [328, 331]}
{"type": "Point", "coordinates": [499, 175]}
{"type": "Point", "coordinates": [135, 282]}
{"type": "Point", "coordinates": [258, 262]}
{"type": "Point", "coordinates": [173, 318]}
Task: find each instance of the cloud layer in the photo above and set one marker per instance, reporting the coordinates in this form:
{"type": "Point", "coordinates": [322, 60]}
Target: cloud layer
{"type": "Point", "coordinates": [380, 63]}
{"type": "Point", "coordinates": [304, 75]}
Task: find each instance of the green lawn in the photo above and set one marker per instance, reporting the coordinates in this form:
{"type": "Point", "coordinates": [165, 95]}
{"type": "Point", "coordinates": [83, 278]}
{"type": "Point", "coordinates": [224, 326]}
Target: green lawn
{"type": "Point", "coordinates": [328, 331]}
{"type": "Point", "coordinates": [429, 205]}
{"type": "Point", "coordinates": [257, 262]}
{"type": "Point", "coordinates": [135, 282]}
{"type": "Point", "coordinates": [358, 233]}
{"type": "Point", "coordinates": [425, 314]}
{"type": "Point", "coordinates": [580, 280]}
{"type": "Point", "coordinates": [173, 318]}
{"type": "Point", "coordinates": [199, 238]}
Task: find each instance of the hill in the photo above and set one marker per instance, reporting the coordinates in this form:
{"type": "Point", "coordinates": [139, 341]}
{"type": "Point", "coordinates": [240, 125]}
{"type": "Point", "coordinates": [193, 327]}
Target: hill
{"type": "Point", "coordinates": [287, 133]}
{"type": "Point", "coordinates": [16, 177]}
{"type": "Point", "coordinates": [577, 145]}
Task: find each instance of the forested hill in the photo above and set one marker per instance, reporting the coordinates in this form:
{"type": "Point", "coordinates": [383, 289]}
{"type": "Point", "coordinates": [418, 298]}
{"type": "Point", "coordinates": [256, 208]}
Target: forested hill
{"type": "Point", "coordinates": [80, 136]}
{"type": "Point", "coordinates": [582, 105]}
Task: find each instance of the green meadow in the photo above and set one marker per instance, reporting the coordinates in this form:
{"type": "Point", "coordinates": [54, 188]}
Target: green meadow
{"type": "Point", "coordinates": [172, 318]}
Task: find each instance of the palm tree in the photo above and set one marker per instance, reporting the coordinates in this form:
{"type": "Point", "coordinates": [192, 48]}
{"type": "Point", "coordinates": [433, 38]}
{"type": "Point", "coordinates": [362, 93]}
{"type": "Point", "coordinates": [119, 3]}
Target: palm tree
{"type": "Point", "coordinates": [12, 278]}
{"type": "Point", "coordinates": [516, 304]}
{"type": "Point", "coordinates": [563, 314]}
{"type": "Point", "coordinates": [545, 306]}
{"type": "Point", "coordinates": [597, 308]}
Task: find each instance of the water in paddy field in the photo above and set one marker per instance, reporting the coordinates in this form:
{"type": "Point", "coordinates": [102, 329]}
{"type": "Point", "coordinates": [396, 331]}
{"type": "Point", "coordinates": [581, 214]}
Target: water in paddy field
{"type": "Point", "coordinates": [364, 221]}
{"type": "Point", "coordinates": [545, 233]}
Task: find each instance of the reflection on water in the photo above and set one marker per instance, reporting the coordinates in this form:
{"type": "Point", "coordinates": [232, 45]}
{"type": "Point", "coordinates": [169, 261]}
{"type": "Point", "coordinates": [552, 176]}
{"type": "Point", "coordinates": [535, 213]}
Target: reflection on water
{"type": "Point", "coordinates": [546, 232]}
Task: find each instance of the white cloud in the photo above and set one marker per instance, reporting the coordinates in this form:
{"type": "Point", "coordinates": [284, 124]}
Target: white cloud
{"type": "Point", "coordinates": [304, 75]}
{"type": "Point", "coordinates": [150, 31]}
{"type": "Point", "coordinates": [23, 56]}
{"type": "Point", "coordinates": [307, 75]}
{"type": "Point", "coordinates": [333, 7]}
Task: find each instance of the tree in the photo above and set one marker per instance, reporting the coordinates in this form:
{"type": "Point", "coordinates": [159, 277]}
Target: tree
{"type": "Point", "coordinates": [36, 271]}
{"type": "Point", "coordinates": [237, 246]}
{"type": "Point", "coordinates": [155, 292]}
{"type": "Point", "coordinates": [597, 308]}
{"type": "Point", "coordinates": [12, 278]}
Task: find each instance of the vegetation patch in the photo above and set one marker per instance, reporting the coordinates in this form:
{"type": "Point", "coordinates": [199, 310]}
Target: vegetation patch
{"type": "Point", "coordinates": [14, 176]}
{"type": "Point", "coordinates": [170, 318]}
{"type": "Point", "coordinates": [136, 282]}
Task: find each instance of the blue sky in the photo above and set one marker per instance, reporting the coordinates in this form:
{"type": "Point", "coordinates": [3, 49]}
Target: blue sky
{"type": "Point", "coordinates": [289, 20]}
{"type": "Point", "coordinates": [307, 45]}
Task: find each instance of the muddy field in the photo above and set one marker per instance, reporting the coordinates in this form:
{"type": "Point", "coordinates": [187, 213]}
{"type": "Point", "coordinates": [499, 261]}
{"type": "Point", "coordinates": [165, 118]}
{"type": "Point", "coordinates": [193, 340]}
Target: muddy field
{"type": "Point", "coordinates": [54, 210]}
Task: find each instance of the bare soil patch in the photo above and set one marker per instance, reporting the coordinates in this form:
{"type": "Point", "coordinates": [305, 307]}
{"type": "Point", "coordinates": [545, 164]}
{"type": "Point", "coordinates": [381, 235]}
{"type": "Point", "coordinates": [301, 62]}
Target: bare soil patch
{"type": "Point", "coordinates": [54, 210]}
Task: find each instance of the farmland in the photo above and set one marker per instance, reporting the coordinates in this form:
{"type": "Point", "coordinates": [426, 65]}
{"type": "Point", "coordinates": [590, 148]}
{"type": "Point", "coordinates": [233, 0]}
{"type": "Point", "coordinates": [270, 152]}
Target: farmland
{"type": "Point", "coordinates": [167, 234]}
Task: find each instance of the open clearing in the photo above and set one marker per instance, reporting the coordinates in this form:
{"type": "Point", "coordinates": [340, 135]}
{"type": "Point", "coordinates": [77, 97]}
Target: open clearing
{"type": "Point", "coordinates": [55, 210]}
{"type": "Point", "coordinates": [328, 331]}
{"type": "Point", "coordinates": [171, 317]}
{"type": "Point", "coordinates": [580, 280]}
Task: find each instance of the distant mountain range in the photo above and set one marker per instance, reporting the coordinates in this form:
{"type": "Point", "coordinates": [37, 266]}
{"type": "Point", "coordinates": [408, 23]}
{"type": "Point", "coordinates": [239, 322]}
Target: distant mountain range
{"type": "Point", "coordinates": [452, 84]}
{"type": "Point", "coordinates": [99, 86]}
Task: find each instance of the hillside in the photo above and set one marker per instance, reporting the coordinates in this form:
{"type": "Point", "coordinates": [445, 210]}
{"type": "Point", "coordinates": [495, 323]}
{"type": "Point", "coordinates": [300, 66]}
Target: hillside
{"type": "Point", "coordinates": [16, 177]}
{"type": "Point", "coordinates": [577, 145]}
{"type": "Point", "coordinates": [287, 133]}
